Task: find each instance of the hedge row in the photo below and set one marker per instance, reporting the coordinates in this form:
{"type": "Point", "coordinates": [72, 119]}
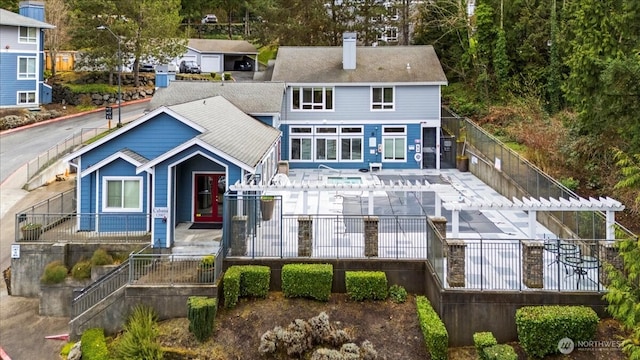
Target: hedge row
{"type": "Point", "coordinates": [245, 280]}
{"type": "Point", "coordinates": [307, 280]}
{"type": "Point", "coordinates": [93, 345]}
{"type": "Point", "coordinates": [366, 285]}
{"type": "Point", "coordinates": [433, 330]}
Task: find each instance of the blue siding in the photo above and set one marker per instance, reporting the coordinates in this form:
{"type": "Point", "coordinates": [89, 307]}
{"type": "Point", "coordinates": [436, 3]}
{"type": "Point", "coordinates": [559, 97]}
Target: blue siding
{"type": "Point", "coordinates": [87, 202]}
{"type": "Point", "coordinates": [265, 119]}
{"type": "Point", "coordinates": [10, 84]}
{"type": "Point", "coordinates": [121, 168]}
{"type": "Point", "coordinates": [149, 139]}
{"type": "Point", "coordinates": [354, 103]}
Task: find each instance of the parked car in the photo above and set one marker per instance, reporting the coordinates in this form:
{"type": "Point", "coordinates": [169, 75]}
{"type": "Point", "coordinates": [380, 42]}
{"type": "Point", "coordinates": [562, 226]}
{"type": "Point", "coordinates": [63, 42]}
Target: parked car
{"type": "Point", "coordinates": [147, 68]}
{"type": "Point", "coordinates": [243, 65]}
{"type": "Point", "coordinates": [209, 19]}
{"type": "Point", "coordinates": [189, 66]}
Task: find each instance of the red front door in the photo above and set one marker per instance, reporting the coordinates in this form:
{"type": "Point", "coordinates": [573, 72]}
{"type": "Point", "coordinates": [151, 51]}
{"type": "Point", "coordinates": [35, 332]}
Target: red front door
{"type": "Point", "coordinates": [208, 197]}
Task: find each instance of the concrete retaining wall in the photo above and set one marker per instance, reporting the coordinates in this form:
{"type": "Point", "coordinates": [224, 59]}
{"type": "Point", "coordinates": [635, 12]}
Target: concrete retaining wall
{"type": "Point", "coordinates": [55, 300]}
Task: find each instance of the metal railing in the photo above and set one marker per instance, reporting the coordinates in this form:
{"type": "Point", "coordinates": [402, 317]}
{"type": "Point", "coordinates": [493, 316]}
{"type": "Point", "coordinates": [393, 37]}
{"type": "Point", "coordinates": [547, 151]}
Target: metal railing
{"type": "Point", "coordinates": [73, 227]}
{"type": "Point", "coordinates": [146, 269]}
{"type": "Point", "coordinates": [62, 148]}
{"type": "Point", "coordinates": [532, 180]}
{"type": "Point", "coordinates": [61, 204]}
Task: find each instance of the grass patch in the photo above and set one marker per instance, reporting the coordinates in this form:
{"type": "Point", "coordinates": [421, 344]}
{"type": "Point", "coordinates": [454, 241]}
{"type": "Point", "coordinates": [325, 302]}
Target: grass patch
{"type": "Point", "coordinates": [101, 135]}
{"type": "Point", "coordinates": [92, 88]}
{"type": "Point", "coordinates": [267, 53]}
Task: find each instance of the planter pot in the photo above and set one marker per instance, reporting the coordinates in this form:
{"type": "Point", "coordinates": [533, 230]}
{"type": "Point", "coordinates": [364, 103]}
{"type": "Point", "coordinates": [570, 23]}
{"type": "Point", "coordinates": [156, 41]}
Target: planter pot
{"type": "Point", "coordinates": [31, 233]}
{"type": "Point", "coordinates": [462, 163]}
{"type": "Point", "coordinates": [266, 209]}
{"type": "Point", "coordinates": [206, 275]}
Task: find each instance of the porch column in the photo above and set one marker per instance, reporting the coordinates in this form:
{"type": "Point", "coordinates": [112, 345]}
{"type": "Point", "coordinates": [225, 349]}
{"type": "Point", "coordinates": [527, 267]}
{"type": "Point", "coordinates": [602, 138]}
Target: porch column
{"type": "Point", "coordinates": [239, 235]}
{"type": "Point", "coordinates": [532, 264]}
{"type": "Point", "coordinates": [610, 221]}
{"type": "Point", "coordinates": [456, 250]}
{"type": "Point", "coordinates": [455, 223]}
{"type": "Point", "coordinates": [438, 206]}
{"type": "Point", "coordinates": [370, 207]}
{"type": "Point", "coordinates": [305, 235]}
{"type": "Point", "coordinates": [371, 236]}
{"type": "Point", "coordinates": [532, 224]}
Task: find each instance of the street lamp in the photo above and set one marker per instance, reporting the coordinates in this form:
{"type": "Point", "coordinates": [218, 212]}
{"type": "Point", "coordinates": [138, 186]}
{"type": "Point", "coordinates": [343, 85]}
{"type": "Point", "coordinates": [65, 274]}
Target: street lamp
{"type": "Point", "coordinates": [102, 27]}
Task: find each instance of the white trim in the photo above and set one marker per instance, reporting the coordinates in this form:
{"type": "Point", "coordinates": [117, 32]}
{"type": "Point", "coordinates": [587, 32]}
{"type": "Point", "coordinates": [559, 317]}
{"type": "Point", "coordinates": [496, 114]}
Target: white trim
{"type": "Point", "coordinates": [107, 160]}
{"type": "Point", "coordinates": [148, 194]}
{"type": "Point", "coordinates": [169, 223]}
{"type": "Point", "coordinates": [403, 135]}
{"type": "Point", "coordinates": [20, 37]}
{"type": "Point", "coordinates": [382, 103]}
{"type": "Point", "coordinates": [97, 200]}
{"type": "Point", "coordinates": [153, 205]}
{"type": "Point", "coordinates": [334, 84]}
{"type": "Point", "coordinates": [78, 192]}
{"type": "Point", "coordinates": [35, 71]}
{"type": "Point", "coordinates": [132, 125]}
{"type": "Point", "coordinates": [324, 99]}
{"type": "Point", "coordinates": [35, 97]}
{"type": "Point", "coordinates": [187, 145]}
{"type": "Point", "coordinates": [106, 179]}
{"type": "Point", "coordinates": [360, 122]}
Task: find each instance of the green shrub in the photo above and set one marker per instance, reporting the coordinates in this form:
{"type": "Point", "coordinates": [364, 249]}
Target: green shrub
{"type": "Point", "coordinates": [433, 329]}
{"type": "Point", "coordinates": [246, 280]}
{"type": "Point", "coordinates": [366, 285]}
{"type": "Point", "coordinates": [307, 280]}
{"type": "Point", "coordinates": [139, 339]}
{"type": "Point", "coordinates": [202, 316]}
{"type": "Point", "coordinates": [499, 352]}
{"type": "Point", "coordinates": [54, 273]}
{"type": "Point", "coordinates": [93, 345]}
{"type": "Point", "coordinates": [227, 76]}
{"type": "Point", "coordinates": [540, 328]}
{"type": "Point", "coordinates": [64, 352]}
{"type": "Point", "coordinates": [101, 257]}
{"type": "Point", "coordinates": [81, 270]}
{"type": "Point", "coordinates": [398, 294]}
{"type": "Point", "coordinates": [483, 340]}
{"type": "Point", "coordinates": [570, 183]}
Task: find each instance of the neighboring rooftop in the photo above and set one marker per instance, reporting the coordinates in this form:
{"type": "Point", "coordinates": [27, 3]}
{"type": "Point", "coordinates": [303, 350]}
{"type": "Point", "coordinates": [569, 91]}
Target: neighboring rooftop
{"type": "Point", "coordinates": [388, 64]}
{"type": "Point", "coordinates": [9, 18]}
{"type": "Point", "coordinates": [223, 46]}
{"type": "Point", "coordinates": [250, 97]}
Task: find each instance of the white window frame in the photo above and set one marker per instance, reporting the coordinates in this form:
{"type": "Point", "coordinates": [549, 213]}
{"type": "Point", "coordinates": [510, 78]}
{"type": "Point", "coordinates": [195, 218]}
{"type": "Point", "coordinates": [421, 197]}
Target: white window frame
{"type": "Point", "coordinates": [105, 188]}
{"type": "Point", "coordinates": [301, 136]}
{"type": "Point", "coordinates": [351, 136]}
{"type": "Point", "coordinates": [26, 95]}
{"type": "Point", "coordinates": [326, 137]}
{"type": "Point", "coordinates": [383, 105]}
{"type": "Point", "coordinates": [388, 134]}
{"type": "Point", "coordinates": [28, 36]}
{"type": "Point", "coordinates": [27, 75]}
{"type": "Point", "coordinates": [314, 104]}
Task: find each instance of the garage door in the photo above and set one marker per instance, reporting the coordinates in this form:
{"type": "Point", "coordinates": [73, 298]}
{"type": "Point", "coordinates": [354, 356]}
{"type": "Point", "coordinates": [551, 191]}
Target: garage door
{"type": "Point", "coordinates": [210, 63]}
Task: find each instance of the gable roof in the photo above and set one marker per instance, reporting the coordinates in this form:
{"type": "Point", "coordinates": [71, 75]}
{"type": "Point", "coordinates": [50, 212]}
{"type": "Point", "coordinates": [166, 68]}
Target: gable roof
{"type": "Point", "coordinates": [380, 64]}
{"type": "Point", "coordinates": [229, 129]}
{"type": "Point", "coordinates": [222, 46]}
{"type": "Point", "coordinates": [252, 98]}
{"type": "Point", "coordinates": [127, 155]}
{"type": "Point", "coordinates": [13, 19]}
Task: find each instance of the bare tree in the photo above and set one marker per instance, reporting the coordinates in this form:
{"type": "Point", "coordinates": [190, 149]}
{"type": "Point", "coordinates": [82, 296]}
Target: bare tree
{"type": "Point", "coordinates": [57, 14]}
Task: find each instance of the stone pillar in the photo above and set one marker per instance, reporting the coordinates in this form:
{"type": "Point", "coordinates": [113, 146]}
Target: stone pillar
{"type": "Point", "coordinates": [532, 264]}
{"type": "Point", "coordinates": [608, 254]}
{"type": "Point", "coordinates": [305, 235]}
{"type": "Point", "coordinates": [239, 235]}
{"type": "Point", "coordinates": [371, 236]}
{"type": "Point", "coordinates": [440, 223]}
{"type": "Point", "coordinates": [456, 263]}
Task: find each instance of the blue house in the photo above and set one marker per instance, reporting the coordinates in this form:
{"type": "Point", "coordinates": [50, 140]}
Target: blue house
{"type": "Point", "coordinates": [362, 107]}
{"type": "Point", "coordinates": [22, 56]}
{"type": "Point", "coordinates": [174, 164]}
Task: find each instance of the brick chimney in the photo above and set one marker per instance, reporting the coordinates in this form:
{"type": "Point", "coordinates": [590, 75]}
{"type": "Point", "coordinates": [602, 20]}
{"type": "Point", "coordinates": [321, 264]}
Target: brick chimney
{"type": "Point", "coordinates": [349, 50]}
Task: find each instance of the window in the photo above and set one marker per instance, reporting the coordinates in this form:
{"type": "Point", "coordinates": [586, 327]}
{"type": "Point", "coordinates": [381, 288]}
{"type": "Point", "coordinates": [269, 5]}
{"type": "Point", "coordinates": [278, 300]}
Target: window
{"type": "Point", "coordinates": [26, 67]}
{"type": "Point", "coordinates": [312, 98]}
{"type": "Point", "coordinates": [26, 97]}
{"type": "Point", "coordinates": [394, 140]}
{"type": "Point", "coordinates": [382, 98]}
{"type": "Point", "coordinates": [351, 143]}
{"type": "Point", "coordinates": [326, 143]}
{"type": "Point", "coordinates": [301, 143]}
{"type": "Point", "coordinates": [27, 35]}
{"type": "Point", "coordinates": [122, 194]}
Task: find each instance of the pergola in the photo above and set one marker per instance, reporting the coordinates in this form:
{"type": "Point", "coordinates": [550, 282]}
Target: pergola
{"type": "Point", "coordinates": [532, 205]}
{"type": "Point", "coordinates": [447, 196]}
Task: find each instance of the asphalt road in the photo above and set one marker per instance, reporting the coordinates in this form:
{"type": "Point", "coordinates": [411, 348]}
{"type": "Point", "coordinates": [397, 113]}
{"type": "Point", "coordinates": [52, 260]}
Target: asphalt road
{"type": "Point", "coordinates": [21, 146]}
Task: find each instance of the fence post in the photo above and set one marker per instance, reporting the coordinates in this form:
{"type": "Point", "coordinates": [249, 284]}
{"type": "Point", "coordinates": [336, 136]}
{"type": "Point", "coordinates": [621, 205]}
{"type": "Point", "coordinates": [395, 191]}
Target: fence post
{"type": "Point", "coordinates": [371, 236]}
{"type": "Point", "coordinates": [456, 263]}
{"type": "Point", "coordinates": [305, 235]}
{"type": "Point", "coordinates": [239, 235]}
{"type": "Point", "coordinates": [608, 253]}
{"type": "Point", "coordinates": [532, 264]}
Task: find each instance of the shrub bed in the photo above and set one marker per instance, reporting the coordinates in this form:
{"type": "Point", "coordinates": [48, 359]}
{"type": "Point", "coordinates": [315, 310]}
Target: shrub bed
{"type": "Point", "coordinates": [482, 340]}
{"type": "Point", "coordinates": [540, 328]}
{"type": "Point", "coordinates": [81, 270]}
{"type": "Point", "coordinates": [433, 329]}
{"type": "Point", "coordinates": [202, 315]}
{"type": "Point", "coordinates": [54, 273]}
{"type": "Point", "coordinates": [366, 285]}
{"type": "Point", "coordinates": [307, 280]}
{"type": "Point", "coordinates": [245, 280]}
{"type": "Point", "coordinates": [499, 352]}
{"type": "Point", "coordinates": [93, 345]}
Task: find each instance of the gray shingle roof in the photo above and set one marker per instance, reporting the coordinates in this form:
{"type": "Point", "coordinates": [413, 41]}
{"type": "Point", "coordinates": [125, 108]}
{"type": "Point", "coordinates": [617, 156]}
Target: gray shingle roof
{"type": "Point", "coordinates": [387, 64]}
{"type": "Point", "coordinates": [13, 19]}
{"type": "Point", "coordinates": [134, 155]}
{"type": "Point", "coordinates": [252, 98]}
{"type": "Point", "coordinates": [229, 129]}
{"type": "Point", "coordinates": [223, 46]}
